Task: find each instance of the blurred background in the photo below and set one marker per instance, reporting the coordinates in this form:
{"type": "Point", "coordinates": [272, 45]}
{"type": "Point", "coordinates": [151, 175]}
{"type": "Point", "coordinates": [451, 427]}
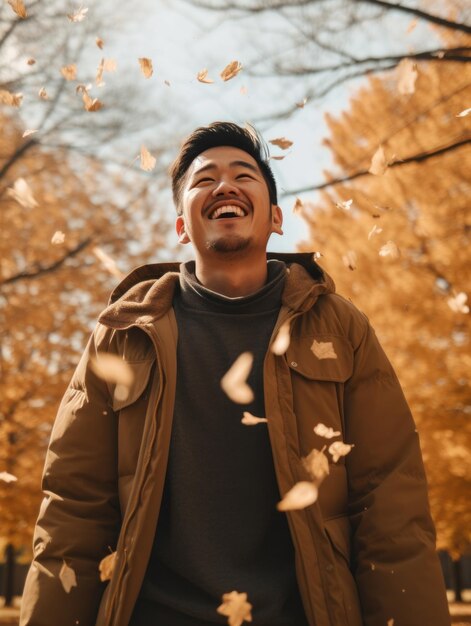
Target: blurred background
{"type": "Point", "coordinates": [373, 98]}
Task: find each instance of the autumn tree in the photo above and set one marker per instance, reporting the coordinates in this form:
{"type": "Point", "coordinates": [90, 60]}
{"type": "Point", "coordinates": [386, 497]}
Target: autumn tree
{"type": "Point", "coordinates": [397, 243]}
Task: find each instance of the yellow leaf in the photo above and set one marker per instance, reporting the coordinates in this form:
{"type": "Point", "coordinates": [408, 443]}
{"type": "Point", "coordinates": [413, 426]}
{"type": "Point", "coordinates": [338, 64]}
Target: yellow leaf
{"type": "Point", "coordinates": [236, 608]}
{"type": "Point", "coordinates": [22, 193]}
{"type": "Point", "coordinates": [78, 15]}
{"type": "Point", "coordinates": [42, 93]}
{"type": "Point", "coordinates": [326, 431]}
{"type": "Point", "coordinates": [146, 66]}
{"type": "Point", "coordinates": [99, 42]}
{"type": "Point", "coordinates": [338, 449]}
{"type": "Point", "coordinates": [458, 303]}
{"type": "Point", "coordinates": [147, 160]}
{"type": "Point", "coordinates": [107, 565]}
{"type": "Point", "coordinates": [67, 577]}
{"type": "Point", "coordinates": [281, 343]}
{"type": "Point", "coordinates": [203, 77]}
{"type": "Point", "coordinates": [58, 238]}
{"type": "Point", "coordinates": [323, 349]}
{"type": "Point", "coordinates": [7, 477]}
{"type": "Point", "coordinates": [251, 420]}
{"type": "Point", "coordinates": [389, 249]}
{"type": "Point", "coordinates": [317, 464]}
{"type": "Point", "coordinates": [406, 77]}
{"type": "Point", "coordinates": [231, 70]}
{"type": "Point", "coordinates": [281, 142]}
{"type": "Point", "coordinates": [300, 496]}
{"type": "Point", "coordinates": [18, 7]}
{"type": "Point", "coordinates": [464, 113]}
{"type": "Point", "coordinates": [350, 259]}
{"type": "Point", "coordinates": [69, 72]}
{"type": "Point", "coordinates": [234, 380]}
{"type": "Point", "coordinates": [29, 132]}
{"type": "Point", "coordinates": [108, 263]}
{"type": "Point", "coordinates": [298, 205]}
{"type": "Point", "coordinates": [12, 99]}
{"type": "Point", "coordinates": [378, 163]}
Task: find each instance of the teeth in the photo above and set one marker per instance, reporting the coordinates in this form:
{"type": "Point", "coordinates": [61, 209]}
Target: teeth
{"type": "Point", "coordinates": [227, 208]}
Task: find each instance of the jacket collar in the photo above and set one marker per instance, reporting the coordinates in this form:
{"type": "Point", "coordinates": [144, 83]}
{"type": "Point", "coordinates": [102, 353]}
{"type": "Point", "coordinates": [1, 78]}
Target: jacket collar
{"type": "Point", "coordinates": [146, 294]}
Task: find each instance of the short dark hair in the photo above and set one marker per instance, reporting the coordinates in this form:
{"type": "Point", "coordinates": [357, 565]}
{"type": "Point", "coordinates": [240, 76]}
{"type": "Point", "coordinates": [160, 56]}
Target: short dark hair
{"type": "Point", "coordinates": [215, 135]}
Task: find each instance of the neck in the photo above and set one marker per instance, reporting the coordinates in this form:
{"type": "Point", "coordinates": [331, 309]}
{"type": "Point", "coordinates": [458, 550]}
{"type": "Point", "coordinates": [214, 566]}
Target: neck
{"type": "Point", "coordinates": [232, 275]}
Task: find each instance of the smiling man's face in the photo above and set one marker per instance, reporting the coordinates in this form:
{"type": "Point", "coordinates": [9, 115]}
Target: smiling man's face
{"type": "Point", "coordinates": [225, 204]}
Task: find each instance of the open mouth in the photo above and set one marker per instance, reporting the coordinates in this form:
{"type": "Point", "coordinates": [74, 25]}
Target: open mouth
{"type": "Point", "coordinates": [227, 211]}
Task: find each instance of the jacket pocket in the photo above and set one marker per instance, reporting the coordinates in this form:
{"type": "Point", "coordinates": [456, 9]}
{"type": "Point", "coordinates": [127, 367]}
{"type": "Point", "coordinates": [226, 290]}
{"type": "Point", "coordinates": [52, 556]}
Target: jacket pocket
{"type": "Point", "coordinates": [322, 357]}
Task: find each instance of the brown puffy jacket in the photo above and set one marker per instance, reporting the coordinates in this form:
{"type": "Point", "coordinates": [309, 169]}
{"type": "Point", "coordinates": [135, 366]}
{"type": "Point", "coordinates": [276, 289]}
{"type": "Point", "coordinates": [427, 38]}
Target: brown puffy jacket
{"type": "Point", "coordinates": [365, 552]}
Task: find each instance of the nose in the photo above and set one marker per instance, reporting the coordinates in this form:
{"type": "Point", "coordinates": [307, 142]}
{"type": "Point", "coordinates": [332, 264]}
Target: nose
{"type": "Point", "coordinates": [224, 188]}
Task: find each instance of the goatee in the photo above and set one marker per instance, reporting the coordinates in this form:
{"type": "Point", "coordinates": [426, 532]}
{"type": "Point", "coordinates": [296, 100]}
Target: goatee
{"type": "Point", "coordinates": [233, 243]}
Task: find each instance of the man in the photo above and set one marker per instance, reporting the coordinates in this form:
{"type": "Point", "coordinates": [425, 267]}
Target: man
{"type": "Point", "coordinates": [169, 477]}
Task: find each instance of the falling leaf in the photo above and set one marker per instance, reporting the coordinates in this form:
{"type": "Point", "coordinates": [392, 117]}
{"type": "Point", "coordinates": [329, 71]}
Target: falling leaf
{"type": "Point", "coordinates": [298, 205]}
{"type": "Point", "coordinates": [146, 66]}
{"type": "Point", "coordinates": [167, 82]}
{"type": "Point", "coordinates": [278, 158]}
{"type": "Point", "coordinates": [300, 496]}
{"type": "Point", "coordinates": [317, 464]}
{"type": "Point", "coordinates": [458, 303]}
{"type": "Point", "coordinates": [67, 577]}
{"type": "Point", "coordinates": [12, 99]}
{"type": "Point", "coordinates": [42, 93]}
{"type": "Point", "coordinates": [234, 380]}
{"type": "Point", "coordinates": [301, 104]}
{"type": "Point", "coordinates": [338, 449]}
{"type": "Point", "coordinates": [236, 608]}
{"type": "Point", "coordinates": [378, 163]}
{"type": "Point", "coordinates": [107, 566]}
{"type": "Point", "coordinates": [464, 113]}
{"type": "Point", "coordinates": [412, 24]}
{"type": "Point", "coordinates": [389, 249]}
{"type": "Point", "coordinates": [107, 261]}
{"type": "Point", "coordinates": [346, 205]}
{"type": "Point", "coordinates": [78, 15]}
{"type": "Point", "coordinates": [326, 431]}
{"type": "Point", "coordinates": [406, 77]}
{"type": "Point", "coordinates": [29, 132]}
{"type": "Point", "coordinates": [349, 259]}
{"type": "Point", "coordinates": [69, 72]}
{"type": "Point", "coordinates": [251, 420]}
{"type": "Point", "coordinates": [58, 238]}
{"type": "Point", "coordinates": [147, 160]}
{"type": "Point", "coordinates": [7, 477]}
{"type": "Point", "coordinates": [113, 369]}
{"type": "Point", "coordinates": [106, 65]}
{"type": "Point", "coordinates": [281, 343]}
{"type": "Point", "coordinates": [203, 77]}
{"type": "Point", "coordinates": [31, 61]}
{"type": "Point", "coordinates": [323, 349]}
{"type": "Point", "coordinates": [281, 142]}
{"type": "Point", "coordinates": [91, 104]}
{"type": "Point", "coordinates": [99, 42]}
{"type": "Point", "coordinates": [22, 193]}
{"type": "Point", "coordinates": [231, 70]}
{"type": "Point", "coordinates": [18, 7]}
{"type": "Point", "coordinates": [374, 231]}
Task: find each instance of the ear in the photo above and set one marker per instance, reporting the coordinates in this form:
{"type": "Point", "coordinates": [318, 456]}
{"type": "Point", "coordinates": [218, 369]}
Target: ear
{"type": "Point", "coordinates": [181, 231]}
{"type": "Point", "coordinates": [276, 219]}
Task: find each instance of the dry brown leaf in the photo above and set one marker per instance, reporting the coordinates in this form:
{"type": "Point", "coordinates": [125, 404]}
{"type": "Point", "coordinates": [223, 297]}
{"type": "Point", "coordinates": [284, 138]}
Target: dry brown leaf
{"type": "Point", "coordinates": [251, 420]}
{"type": "Point", "coordinates": [12, 99]}
{"type": "Point", "coordinates": [464, 113]}
{"type": "Point", "coordinates": [326, 431]}
{"type": "Point", "coordinates": [99, 42]}
{"type": "Point", "coordinates": [298, 205]}
{"type": "Point", "coordinates": [91, 104]}
{"type": "Point", "coordinates": [278, 158]}
{"type": "Point", "coordinates": [281, 343]}
{"type": "Point", "coordinates": [300, 496]}
{"type": "Point", "coordinates": [78, 15]}
{"type": "Point", "coordinates": [458, 303]}
{"type": "Point", "coordinates": [345, 206]}
{"type": "Point", "coordinates": [67, 577]}
{"type": "Point", "coordinates": [7, 477]}
{"type": "Point", "coordinates": [18, 7]}
{"type": "Point", "coordinates": [146, 66]}
{"type": "Point", "coordinates": [389, 249]}
{"type": "Point", "coordinates": [236, 608]}
{"type": "Point", "coordinates": [58, 238]}
{"type": "Point", "coordinates": [147, 160]}
{"type": "Point", "coordinates": [301, 104]}
{"type": "Point", "coordinates": [281, 142]}
{"type": "Point", "coordinates": [406, 77]}
{"type": "Point", "coordinates": [234, 380]}
{"type": "Point", "coordinates": [29, 132]}
{"type": "Point", "coordinates": [338, 449]}
{"type": "Point", "coordinates": [231, 70]}
{"type": "Point", "coordinates": [349, 259]}
{"type": "Point", "coordinates": [22, 193]}
{"type": "Point", "coordinates": [203, 77]}
{"type": "Point", "coordinates": [31, 61]}
{"type": "Point", "coordinates": [42, 93]}
{"type": "Point", "coordinates": [106, 65]}
{"type": "Point", "coordinates": [107, 566]}
{"type": "Point", "coordinates": [323, 349]}
{"type": "Point", "coordinates": [379, 163]}
{"type": "Point", "coordinates": [107, 262]}
{"type": "Point", "coordinates": [69, 72]}
{"type": "Point", "coordinates": [317, 464]}
{"type": "Point", "coordinates": [374, 231]}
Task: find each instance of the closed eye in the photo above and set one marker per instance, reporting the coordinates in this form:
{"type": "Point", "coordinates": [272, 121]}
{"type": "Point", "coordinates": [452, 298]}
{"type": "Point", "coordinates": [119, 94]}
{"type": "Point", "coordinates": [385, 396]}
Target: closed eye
{"type": "Point", "coordinates": [204, 180]}
{"type": "Point", "coordinates": [242, 175]}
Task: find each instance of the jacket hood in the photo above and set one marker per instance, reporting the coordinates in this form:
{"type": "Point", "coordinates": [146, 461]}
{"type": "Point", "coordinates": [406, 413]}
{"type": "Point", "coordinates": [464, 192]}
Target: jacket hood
{"type": "Point", "coordinates": [146, 293]}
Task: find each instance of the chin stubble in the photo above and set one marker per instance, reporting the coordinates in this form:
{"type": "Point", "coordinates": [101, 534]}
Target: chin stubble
{"type": "Point", "coordinates": [228, 244]}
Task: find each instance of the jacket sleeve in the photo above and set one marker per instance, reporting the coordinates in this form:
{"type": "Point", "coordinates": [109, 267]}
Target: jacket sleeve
{"type": "Point", "coordinates": [79, 517]}
{"type": "Point", "coordinates": [395, 564]}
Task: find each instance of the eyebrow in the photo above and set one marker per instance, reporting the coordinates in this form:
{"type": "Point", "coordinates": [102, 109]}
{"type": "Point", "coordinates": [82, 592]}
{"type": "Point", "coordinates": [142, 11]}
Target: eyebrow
{"type": "Point", "coordinates": [213, 166]}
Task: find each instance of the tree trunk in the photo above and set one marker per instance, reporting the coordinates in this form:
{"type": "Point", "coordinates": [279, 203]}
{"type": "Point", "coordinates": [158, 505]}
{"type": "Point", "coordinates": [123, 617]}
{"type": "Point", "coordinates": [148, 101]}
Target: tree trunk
{"type": "Point", "coordinates": [9, 574]}
{"type": "Point", "coordinates": [457, 580]}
